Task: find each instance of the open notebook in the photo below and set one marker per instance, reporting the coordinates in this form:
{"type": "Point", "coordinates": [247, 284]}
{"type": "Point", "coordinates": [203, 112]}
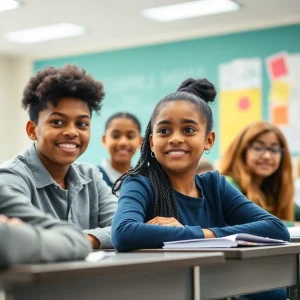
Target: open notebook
{"type": "Point", "coordinates": [235, 240]}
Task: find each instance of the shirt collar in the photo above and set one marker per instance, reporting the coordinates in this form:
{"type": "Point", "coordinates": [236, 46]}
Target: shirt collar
{"type": "Point", "coordinates": [41, 175]}
{"type": "Point", "coordinates": [112, 173]}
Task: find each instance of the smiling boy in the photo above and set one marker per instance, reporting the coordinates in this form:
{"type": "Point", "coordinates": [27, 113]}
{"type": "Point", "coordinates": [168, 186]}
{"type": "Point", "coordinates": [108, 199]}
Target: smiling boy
{"type": "Point", "coordinates": [60, 104]}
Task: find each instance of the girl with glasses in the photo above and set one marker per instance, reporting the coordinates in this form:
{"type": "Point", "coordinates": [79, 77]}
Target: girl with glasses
{"type": "Point", "coordinates": [258, 163]}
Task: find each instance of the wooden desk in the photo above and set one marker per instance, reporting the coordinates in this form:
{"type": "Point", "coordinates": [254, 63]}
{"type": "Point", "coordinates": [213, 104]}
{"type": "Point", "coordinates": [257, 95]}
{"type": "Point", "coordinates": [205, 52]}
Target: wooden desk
{"type": "Point", "coordinates": [124, 276]}
{"type": "Point", "coordinates": [249, 270]}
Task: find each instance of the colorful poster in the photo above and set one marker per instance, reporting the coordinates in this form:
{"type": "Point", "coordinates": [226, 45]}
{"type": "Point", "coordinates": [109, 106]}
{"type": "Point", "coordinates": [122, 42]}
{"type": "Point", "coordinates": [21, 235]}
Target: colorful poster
{"type": "Point", "coordinates": [277, 66]}
{"type": "Point", "coordinates": [279, 114]}
{"type": "Point", "coordinates": [240, 97]}
{"type": "Point", "coordinates": [237, 109]}
{"type": "Point", "coordinates": [284, 96]}
{"type": "Point", "coordinates": [280, 91]}
{"type": "Point", "coordinates": [240, 74]}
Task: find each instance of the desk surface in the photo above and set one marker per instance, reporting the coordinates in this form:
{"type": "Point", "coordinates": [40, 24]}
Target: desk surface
{"type": "Point", "coordinates": [239, 253]}
{"type": "Point", "coordinates": [120, 263]}
{"type": "Point", "coordinates": [295, 239]}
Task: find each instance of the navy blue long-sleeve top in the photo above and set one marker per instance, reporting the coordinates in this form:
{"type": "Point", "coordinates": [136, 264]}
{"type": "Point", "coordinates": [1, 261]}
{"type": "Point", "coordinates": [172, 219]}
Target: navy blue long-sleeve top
{"type": "Point", "coordinates": [222, 209]}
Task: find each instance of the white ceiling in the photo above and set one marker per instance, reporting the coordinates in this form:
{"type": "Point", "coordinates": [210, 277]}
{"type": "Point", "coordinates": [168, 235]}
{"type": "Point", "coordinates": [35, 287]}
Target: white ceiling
{"type": "Point", "coordinates": [118, 23]}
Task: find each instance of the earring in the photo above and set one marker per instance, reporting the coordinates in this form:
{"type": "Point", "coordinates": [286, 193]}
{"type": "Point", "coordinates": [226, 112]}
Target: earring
{"type": "Point", "coordinates": [206, 151]}
{"type": "Point", "coordinates": [152, 154]}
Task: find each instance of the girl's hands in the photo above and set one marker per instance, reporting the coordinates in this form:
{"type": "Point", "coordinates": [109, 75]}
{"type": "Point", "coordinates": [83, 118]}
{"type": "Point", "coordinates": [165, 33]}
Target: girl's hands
{"type": "Point", "coordinates": [162, 221]}
{"type": "Point", "coordinates": [165, 222]}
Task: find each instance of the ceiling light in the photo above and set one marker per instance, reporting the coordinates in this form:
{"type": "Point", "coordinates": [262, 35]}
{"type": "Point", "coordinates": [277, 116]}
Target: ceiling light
{"type": "Point", "coordinates": [189, 10]}
{"type": "Point", "coordinates": [44, 33]}
{"type": "Point", "coordinates": [9, 4]}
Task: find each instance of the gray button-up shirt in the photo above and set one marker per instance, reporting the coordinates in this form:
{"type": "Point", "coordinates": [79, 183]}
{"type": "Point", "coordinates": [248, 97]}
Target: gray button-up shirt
{"type": "Point", "coordinates": [41, 238]}
{"type": "Point", "coordinates": [88, 202]}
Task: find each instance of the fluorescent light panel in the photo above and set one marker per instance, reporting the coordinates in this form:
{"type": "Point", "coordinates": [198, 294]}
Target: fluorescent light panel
{"type": "Point", "coordinates": [44, 33]}
{"type": "Point", "coordinates": [189, 10]}
{"type": "Point", "coordinates": [9, 4]}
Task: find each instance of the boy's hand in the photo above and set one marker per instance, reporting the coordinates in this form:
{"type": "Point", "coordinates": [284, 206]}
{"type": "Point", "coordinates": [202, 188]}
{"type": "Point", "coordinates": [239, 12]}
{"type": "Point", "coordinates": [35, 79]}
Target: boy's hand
{"type": "Point", "coordinates": [11, 221]}
{"type": "Point", "coordinates": [94, 241]}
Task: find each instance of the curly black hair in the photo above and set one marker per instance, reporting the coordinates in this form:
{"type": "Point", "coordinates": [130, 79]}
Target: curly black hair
{"type": "Point", "coordinates": [51, 84]}
{"type": "Point", "coordinates": [197, 92]}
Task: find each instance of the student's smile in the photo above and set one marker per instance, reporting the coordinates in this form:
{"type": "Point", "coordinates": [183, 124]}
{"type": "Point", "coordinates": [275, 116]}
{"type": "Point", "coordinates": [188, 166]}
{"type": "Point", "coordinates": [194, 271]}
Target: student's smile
{"type": "Point", "coordinates": [62, 132]}
{"type": "Point", "coordinates": [263, 156]}
{"type": "Point", "coordinates": [177, 153]}
{"type": "Point", "coordinates": [265, 165]}
{"type": "Point", "coordinates": [123, 151]}
{"type": "Point", "coordinates": [68, 146]}
{"type": "Point", "coordinates": [122, 139]}
{"type": "Point", "coordinates": [179, 137]}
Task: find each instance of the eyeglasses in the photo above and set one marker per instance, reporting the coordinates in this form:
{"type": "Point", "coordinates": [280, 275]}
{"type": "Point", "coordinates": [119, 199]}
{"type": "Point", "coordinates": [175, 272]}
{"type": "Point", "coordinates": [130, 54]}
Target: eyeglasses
{"type": "Point", "coordinates": [260, 150]}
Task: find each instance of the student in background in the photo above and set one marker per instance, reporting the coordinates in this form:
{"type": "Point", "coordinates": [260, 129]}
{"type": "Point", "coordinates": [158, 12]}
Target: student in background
{"type": "Point", "coordinates": [29, 236]}
{"type": "Point", "coordinates": [258, 163]}
{"type": "Point", "coordinates": [122, 138]}
{"type": "Point", "coordinates": [162, 199]}
{"type": "Point", "coordinates": [204, 166]}
{"type": "Point", "coordinates": [60, 104]}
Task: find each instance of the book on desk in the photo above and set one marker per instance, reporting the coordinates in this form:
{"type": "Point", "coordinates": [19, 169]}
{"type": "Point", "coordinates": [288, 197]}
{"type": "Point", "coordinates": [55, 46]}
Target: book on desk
{"type": "Point", "coordinates": [235, 240]}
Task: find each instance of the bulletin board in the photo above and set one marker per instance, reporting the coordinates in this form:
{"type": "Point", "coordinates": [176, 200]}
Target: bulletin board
{"type": "Point", "coordinates": [136, 79]}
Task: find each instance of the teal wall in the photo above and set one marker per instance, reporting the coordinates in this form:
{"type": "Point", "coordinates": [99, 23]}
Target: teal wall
{"type": "Point", "coordinates": [135, 79]}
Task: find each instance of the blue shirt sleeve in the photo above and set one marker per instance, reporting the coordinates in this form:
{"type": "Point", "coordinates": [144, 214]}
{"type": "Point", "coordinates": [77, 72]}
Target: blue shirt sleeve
{"type": "Point", "coordinates": [129, 230]}
{"type": "Point", "coordinates": [244, 216]}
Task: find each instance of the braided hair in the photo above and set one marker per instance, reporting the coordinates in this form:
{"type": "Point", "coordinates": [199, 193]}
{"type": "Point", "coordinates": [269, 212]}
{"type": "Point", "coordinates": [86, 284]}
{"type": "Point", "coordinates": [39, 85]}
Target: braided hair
{"type": "Point", "coordinates": [197, 92]}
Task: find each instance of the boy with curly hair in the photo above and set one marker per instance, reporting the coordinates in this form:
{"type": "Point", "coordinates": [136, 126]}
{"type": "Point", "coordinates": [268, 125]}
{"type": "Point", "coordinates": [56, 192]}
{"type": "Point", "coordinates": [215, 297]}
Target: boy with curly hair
{"type": "Point", "coordinates": [60, 103]}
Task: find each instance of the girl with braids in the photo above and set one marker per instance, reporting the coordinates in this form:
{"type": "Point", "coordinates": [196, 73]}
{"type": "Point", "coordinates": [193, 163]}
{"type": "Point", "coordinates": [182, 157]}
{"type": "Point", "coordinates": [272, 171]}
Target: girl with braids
{"type": "Point", "coordinates": [162, 199]}
{"type": "Point", "coordinates": [122, 138]}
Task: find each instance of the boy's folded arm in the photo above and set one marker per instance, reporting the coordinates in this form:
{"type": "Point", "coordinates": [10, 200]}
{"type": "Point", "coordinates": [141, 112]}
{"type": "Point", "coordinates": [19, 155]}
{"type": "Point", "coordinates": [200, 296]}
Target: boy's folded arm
{"type": "Point", "coordinates": [33, 244]}
{"type": "Point", "coordinates": [14, 202]}
{"type": "Point", "coordinates": [44, 237]}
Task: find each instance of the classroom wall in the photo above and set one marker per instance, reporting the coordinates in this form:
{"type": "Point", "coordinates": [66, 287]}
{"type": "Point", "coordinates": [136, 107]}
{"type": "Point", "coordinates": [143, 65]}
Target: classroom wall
{"type": "Point", "coordinates": [14, 73]}
{"type": "Point", "coordinates": [135, 79]}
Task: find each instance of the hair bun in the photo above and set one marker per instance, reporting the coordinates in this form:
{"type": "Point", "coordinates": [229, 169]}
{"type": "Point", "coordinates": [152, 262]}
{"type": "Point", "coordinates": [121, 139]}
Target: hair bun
{"type": "Point", "coordinates": [200, 87]}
